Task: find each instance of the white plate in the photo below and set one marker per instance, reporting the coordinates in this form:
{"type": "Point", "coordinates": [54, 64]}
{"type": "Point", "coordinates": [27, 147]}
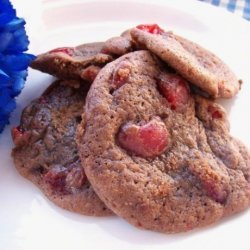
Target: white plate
{"type": "Point", "coordinates": [28, 220]}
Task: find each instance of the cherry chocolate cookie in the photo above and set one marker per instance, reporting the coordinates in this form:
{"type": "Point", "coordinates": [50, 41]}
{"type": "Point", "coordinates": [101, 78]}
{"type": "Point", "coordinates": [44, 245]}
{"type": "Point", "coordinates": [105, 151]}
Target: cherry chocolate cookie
{"type": "Point", "coordinates": [46, 152]}
{"type": "Point", "coordinates": [157, 155]}
{"type": "Point", "coordinates": [81, 62]}
{"type": "Point", "coordinates": [193, 62]}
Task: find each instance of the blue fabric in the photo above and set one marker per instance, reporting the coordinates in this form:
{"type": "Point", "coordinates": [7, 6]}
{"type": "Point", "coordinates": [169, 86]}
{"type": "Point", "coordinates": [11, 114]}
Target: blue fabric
{"type": "Point", "coordinates": [215, 2]}
{"type": "Point", "coordinates": [231, 5]}
{"type": "Point", "coordinates": [246, 12]}
{"type": "Point", "coordinates": [241, 7]}
{"type": "Point", "coordinates": [13, 62]}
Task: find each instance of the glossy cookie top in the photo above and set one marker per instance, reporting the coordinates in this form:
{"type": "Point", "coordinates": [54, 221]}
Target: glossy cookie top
{"type": "Point", "coordinates": [157, 155]}
{"type": "Point", "coordinates": [196, 64]}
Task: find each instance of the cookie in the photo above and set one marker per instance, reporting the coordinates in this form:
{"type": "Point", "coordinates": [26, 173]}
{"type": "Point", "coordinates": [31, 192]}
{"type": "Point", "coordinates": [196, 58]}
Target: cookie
{"type": "Point", "coordinates": [71, 63]}
{"type": "Point", "coordinates": [82, 62]}
{"type": "Point", "coordinates": [118, 46]}
{"type": "Point", "coordinates": [46, 152]}
{"type": "Point", "coordinates": [196, 64]}
{"type": "Point", "coordinates": [157, 155]}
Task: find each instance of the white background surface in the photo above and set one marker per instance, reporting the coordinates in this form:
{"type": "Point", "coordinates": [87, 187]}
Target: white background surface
{"type": "Point", "coordinates": [28, 220]}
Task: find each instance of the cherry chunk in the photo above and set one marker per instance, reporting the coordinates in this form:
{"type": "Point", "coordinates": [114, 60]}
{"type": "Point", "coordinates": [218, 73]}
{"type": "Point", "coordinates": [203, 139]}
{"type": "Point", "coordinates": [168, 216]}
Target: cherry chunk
{"type": "Point", "coordinates": [76, 177]}
{"type": "Point", "coordinates": [56, 177]}
{"type": "Point", "coordinates": [215, 184]}
{"type": "Point", "coordinates": [19, 136]}
{"type": "Point", "coordinates": [121, 74]}
{"type": "Point", "coordinates": [215, 191]}
{"type": "Point", "coordinates": [175, 89]}
{"type": "Point", "coordinates": [151, 28]}
{"type": "Point", "coordinates": [147, 140]}
{"type": "Point", "coordinates": [65, 50]}
{"type": "Point", "coordinates": [89, 74]}
{"type": "Point", "coordinates": [215, 112]}
{"type": "Point", "coordinates": [63, 179]}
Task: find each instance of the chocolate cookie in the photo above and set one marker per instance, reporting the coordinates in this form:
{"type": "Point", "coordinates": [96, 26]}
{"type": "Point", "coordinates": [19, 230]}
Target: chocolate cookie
{"type": "Point", "coordinates": [194, 63]}
{"type": "Point", "coordinates": [158, 156]}
{"type": "Point", "coordinates": [118, 46]}
{"type": "Point", "coordinates": [46, 153]}
{"type": "Point", "coordinates": [82, 62]}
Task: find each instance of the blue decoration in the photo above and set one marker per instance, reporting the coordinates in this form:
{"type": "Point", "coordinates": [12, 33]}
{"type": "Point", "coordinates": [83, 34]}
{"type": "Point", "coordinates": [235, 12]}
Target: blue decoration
{"type": "Point", "coordinates": [13, 61]}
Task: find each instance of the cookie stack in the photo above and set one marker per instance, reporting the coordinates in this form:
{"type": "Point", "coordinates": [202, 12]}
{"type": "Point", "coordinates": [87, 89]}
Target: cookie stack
{"type": "Point", "coordinates": [132, 128]}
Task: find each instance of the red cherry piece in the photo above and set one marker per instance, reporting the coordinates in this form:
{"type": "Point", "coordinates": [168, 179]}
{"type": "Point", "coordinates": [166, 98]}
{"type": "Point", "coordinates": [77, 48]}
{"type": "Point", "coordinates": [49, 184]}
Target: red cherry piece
{"type": "Point", "coordinates": [151, 28]}
{"type": "Point", "coordinates": [216, 114]}
{"type": "Point", "coordinates": [19, 136]}
{"type": "Point", "coordinates": [148, 140]}
{"type": "Point", "coordinates": [90, 73]}
{"type": "Point", "coordinates": [76, 178]}
{"type": "Point", "coordinates": [56, 177]}
{"type": "Point", "coordinates": [215, 191]}
{"type": "Point", "coordinates": [212, 182]}
{"type": "Point", "coordinates": [175, 89]}
{"type": "Point", "coordinates": [42, 100]}
{"type": "Point", "coordinates": [104, 51]}
{"type": "Point", "coordinates": [66, 50]}
{"type": "Point", "coordinates": [121, 74]}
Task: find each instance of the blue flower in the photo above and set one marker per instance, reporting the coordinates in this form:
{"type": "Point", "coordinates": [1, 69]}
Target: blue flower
{"type": "Point", "coordinates": [13, 61]}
